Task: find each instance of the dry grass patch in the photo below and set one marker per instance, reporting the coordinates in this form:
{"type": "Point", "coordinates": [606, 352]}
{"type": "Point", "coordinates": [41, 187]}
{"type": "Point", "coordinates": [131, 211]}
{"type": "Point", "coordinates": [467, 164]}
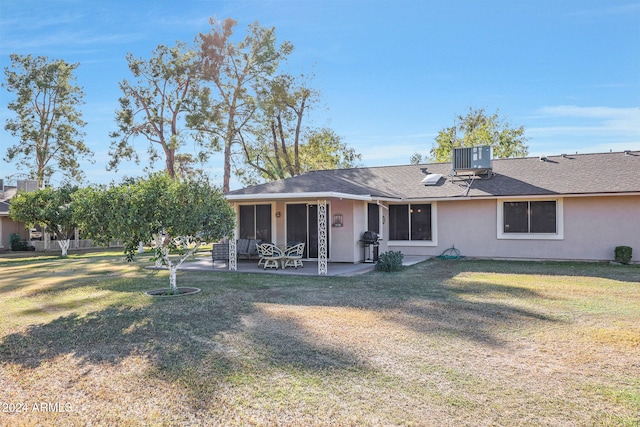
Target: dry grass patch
{"type": "Point", "coordinates": [440, 343]}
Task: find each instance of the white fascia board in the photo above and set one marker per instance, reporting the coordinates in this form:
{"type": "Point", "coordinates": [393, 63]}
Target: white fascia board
{"type": "Point", "coordinates": [308, 195]}
{"type": "Point", "coordinates": [523, 196]}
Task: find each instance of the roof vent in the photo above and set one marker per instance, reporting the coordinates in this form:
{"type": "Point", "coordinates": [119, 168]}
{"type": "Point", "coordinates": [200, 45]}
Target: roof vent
{"type": "Point", "coordinates": [431, 179]}
{"type": "Point", "coordinates": [472, 159]}
{"type": "Point", "coordinates": [543, 158]}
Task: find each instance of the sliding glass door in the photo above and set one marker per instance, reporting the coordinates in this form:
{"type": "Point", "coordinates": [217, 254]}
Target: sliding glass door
{"type": "Point", "coordinates": [302, 227]}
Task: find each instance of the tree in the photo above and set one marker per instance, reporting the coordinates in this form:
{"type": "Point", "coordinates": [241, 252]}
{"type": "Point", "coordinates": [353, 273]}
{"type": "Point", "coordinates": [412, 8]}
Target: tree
{"type": "Point", "coordinates": [48, 121]}
{"type": "Point", "coordinates": [52, 208]}
{"type": "Point", "coordinates": [155, 106]}
{"type": "Point", "coordinates": [280, 145]}
{"type": "Point", "coordinates": [178, 215]}
{"type": "Point", "coordinates": [321, 149]}
{"type": "Point", "coordinates": [236, 72]}
{"type": "Point", "coordinates": [475, 129]}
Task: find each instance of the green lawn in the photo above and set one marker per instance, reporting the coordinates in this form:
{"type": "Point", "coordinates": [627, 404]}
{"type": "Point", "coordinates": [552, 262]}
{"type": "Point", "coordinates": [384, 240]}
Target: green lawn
{"type": "Point", "coordinates": [441, 343]}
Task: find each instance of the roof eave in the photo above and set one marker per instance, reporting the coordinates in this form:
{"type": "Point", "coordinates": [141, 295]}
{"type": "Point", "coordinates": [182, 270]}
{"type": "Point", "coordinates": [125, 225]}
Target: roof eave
{"type": "Point", "coordinates": [522, 196]}
{"type": "Point", "coordinates": [305, 195]}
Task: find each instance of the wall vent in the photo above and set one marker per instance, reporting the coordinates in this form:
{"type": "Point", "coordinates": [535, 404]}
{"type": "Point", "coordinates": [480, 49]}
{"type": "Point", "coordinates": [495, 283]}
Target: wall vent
{"type": "Point", "coordinates": [472, 159]}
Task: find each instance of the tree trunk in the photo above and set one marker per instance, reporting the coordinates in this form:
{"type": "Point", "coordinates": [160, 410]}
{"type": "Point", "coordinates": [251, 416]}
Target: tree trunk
{"type": "Point", "coordinates": [173, 268]}
{"type": "Point", "coordinates": [172, 277]}
{"type": "Point", "coordinates": [64, 246]}
{"type": "Point", "coordinates": [161, 251]}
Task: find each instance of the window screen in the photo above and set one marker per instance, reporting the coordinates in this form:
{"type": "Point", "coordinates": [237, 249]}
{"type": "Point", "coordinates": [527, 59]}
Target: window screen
{"type": "Point", "coordinates": [530, 217]}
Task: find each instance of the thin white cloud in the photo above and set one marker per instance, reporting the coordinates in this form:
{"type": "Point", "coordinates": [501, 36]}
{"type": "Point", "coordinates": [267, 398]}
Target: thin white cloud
{"type": "Point", "coordinates": [570, 129]}
{"type": "Point", "coordinates": [589, 120]}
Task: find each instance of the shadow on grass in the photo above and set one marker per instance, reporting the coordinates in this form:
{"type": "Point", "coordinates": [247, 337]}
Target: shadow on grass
{"type": "Point", "coordinates": [603, 270]}
{"type": "Point", "coordinates": [183, 335]}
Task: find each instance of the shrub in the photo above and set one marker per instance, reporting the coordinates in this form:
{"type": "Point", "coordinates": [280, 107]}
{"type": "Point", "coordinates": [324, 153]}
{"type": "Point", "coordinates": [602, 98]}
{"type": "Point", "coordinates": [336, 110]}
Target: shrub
{"type": "Point", "coordinates": [390, 261]}
{"type": "Point", "coordinates": [19, 245]}
{"type": "Point", "coordinates": [623, 254]}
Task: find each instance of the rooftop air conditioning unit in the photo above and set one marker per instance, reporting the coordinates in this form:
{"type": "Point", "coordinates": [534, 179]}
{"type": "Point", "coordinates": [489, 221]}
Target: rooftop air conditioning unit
{"type": "Point", "coordinates": [472, 159]}
{"type": "Point", "coordinates": [27, 185]}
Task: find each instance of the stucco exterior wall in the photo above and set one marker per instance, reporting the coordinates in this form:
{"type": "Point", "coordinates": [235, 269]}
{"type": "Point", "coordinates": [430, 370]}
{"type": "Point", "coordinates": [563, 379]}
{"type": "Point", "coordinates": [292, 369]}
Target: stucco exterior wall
{"type": "Point", "coordinates": [8, 227]}
{"type": "Point", "coordinates": [593, 227]}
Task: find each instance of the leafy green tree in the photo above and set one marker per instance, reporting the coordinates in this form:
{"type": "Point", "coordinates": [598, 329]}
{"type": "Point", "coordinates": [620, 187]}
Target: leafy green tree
{"type": "Point", "coordinates": [475, 129]}
{"type": "Point", "coordinates": [155, 107]}
{"type": "Point", "coordinates": [320, 149]}
{"type": "Point", "coordinates": [52, 208]}
{"type": "Point", "coordinates": [280, 145]}
{"type": "Point", "coordinates": [178, 215]}
{"type": "Point", "coordinates": [324, 149]}
{"type": "Point", "coordinates": [416, 158]}
{"type": "Point", "coordinates": [236, 72]}
{"type": "Point", "coordinates": [48, 121]}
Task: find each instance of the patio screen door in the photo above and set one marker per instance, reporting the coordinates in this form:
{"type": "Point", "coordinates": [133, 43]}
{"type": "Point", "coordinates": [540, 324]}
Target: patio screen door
{"type": "Point", "coordinates": [302, 226]}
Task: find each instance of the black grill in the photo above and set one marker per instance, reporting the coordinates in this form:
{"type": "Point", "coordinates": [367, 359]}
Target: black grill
{"type": "Point", "coordinates": [370, 245]}
{"type": "Point", "coordinates": [370, 237]}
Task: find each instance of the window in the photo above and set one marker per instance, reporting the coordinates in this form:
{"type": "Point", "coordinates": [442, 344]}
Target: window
{"type": "Point", "coordinates": [255, 222]}
{"type": "Point", "coordinates": [410, 222]}
{"type": "Point", "coordinates": [373, 218]}
{"type": "Point", "coordinates": [530, 219]}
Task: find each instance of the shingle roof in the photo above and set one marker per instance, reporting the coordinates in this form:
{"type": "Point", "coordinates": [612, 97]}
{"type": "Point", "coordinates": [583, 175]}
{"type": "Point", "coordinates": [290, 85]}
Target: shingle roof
{"type": "Point", "coordinates": [566, 174]}
{"type": "Point", "coordinates": [5, 195]}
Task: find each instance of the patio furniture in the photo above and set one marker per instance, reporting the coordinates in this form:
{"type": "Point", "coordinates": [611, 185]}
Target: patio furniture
{"type": "Point", "coordinates": [220, 252]}
{"type": "Point", "coordinates": [261, 259]}
{"type": "Point", "coordinates": [246, 248]}
{"type": "Point", "coordinates": [293, 256]}
{"type": "Point", "coordinates": [271, 254]}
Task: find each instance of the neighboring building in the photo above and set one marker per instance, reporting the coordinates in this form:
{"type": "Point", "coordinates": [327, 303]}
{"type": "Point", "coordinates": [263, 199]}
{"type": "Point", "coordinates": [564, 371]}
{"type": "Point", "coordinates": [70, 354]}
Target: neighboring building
{"type": "Point", "coordinates": [7, 225]}
{"type": "Point", "coordinates": [567, 207]}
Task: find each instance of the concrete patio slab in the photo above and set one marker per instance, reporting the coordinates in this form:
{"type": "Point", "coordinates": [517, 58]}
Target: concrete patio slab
{"type": "Point", "coordinates": [310, 267]}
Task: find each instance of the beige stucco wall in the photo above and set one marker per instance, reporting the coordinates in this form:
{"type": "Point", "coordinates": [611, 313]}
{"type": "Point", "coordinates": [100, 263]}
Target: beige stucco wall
{"type": "Point", "coordinates": [593, 227]}
{"type": "Point", "coordinates": [7, 227]}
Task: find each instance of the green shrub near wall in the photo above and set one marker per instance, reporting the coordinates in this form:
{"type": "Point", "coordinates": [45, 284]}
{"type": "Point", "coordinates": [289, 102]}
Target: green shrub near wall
{"type": "Point", "coordinates": [19, 245]}
{"type": "Point", "coordinates": [623, 254]}
{"type": "Point", "coordinates": [390, 261]}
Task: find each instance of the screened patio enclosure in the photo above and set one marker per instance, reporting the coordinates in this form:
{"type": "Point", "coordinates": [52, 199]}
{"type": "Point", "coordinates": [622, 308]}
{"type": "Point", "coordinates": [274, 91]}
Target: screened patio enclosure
{"type": "Point", "coordinates": [255, 222]}
{"type": "Point", "coordinates": [301, 223]}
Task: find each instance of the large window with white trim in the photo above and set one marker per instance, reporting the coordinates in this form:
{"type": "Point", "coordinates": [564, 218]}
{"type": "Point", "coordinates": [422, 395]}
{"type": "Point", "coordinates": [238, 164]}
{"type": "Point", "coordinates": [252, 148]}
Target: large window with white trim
{"type": "Point", "coordinates": [410, 222]}
{"type": "Point", "coordinates": [530, 219]}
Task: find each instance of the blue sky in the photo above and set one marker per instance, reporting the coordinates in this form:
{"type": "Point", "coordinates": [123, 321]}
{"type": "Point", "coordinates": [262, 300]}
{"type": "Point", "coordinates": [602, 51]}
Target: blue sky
{"type": "Point", "coordinates": [391, 73]}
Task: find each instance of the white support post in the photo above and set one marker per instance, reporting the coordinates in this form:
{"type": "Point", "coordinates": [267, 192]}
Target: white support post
{"type": "Point", "coordinates": [322, 237]}
{"type": "Point", "coordinates": [233, 258]}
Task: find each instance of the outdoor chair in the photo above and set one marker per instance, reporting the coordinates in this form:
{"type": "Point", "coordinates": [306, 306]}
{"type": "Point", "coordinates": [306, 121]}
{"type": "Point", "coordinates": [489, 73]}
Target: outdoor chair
{"type": "Point", "coordinates": [271, 255]}
{"type": "Point", "coordinates": [293, 256]}
{"type": "Point", "coordinates": [261, 259]}
{"type": "Point", "coordinates": [246, 248]}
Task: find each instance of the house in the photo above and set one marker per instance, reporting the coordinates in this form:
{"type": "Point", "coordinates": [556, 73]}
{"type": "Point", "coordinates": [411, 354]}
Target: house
{"type": "Point", "coordinates": [7, 225]}
{"type": "Point", "coordinates": [566, 207]}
